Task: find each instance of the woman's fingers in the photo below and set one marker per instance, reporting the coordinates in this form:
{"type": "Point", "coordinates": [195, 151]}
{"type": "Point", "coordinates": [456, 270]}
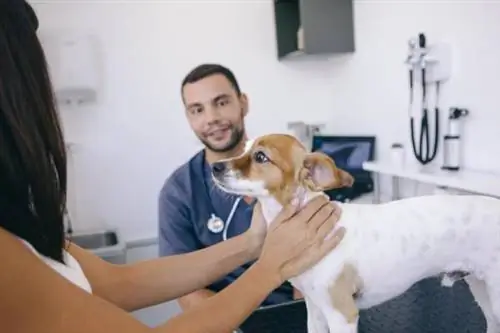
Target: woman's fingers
{"type": "Point", "coordinates": [303, 216]}
{"type": "Point", "coordinates": [257, 208]}
{"type": "Point", "coordinates": [313, 207]}
{"type": "Point", "coordinates": [284, 215]}
{"type": "Point", "coordinates": [299, 239]}
{"type": "Point", "coordinates": [337, 210]}
{"type": "Point", "coordinates": [325, 228]}
{"type": "Point", "coordinates": [311, 255]}
{"type": "Point", "coordinates": [330, 243]}
{"type": "Point", "coordinates": [321, 217]}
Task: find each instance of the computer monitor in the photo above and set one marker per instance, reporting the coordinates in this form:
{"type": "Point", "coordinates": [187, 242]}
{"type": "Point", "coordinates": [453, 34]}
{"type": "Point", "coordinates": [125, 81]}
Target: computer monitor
{"type": "Point", "coordinates": [348, 152]}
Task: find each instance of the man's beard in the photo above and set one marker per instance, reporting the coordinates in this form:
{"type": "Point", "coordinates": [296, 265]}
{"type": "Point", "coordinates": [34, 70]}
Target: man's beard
{"type": "Point", "coordinates": [237, 135]}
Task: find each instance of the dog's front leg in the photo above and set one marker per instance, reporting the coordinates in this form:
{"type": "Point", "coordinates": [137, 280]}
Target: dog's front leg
{"type": "Point", "coordinates": [316, 322]}
{"type": "Point", "coordinates": [342, 319]}
{"type": "Point", "coordinates": [342, 315]}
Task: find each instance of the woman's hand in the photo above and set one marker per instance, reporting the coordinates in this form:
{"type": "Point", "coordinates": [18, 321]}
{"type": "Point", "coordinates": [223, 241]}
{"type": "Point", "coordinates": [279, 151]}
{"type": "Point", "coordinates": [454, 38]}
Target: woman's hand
{"type": "Point", "coordinates": [296, 241]}
{"type": "Point", "coordinates": [256, 233]}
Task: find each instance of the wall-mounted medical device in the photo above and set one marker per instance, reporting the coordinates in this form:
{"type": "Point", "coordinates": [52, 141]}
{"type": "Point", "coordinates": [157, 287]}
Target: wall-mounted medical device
{"type": "Point", "coordinates": [435, 58]}
{"type": "Point", "coordinates": [452, 152]}
{"type": "Point", "coordinates": [74, 67]}
{"type": "Point", "coordinates": [428, 64]}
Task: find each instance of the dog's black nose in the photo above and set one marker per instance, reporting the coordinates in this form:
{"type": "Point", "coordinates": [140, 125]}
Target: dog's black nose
{"type": "Point", "coordinates": [218, 168]}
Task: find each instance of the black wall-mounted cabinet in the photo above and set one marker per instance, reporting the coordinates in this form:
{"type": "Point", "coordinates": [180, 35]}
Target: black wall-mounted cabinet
{"type": "Point", "coordinates": [327, 26]}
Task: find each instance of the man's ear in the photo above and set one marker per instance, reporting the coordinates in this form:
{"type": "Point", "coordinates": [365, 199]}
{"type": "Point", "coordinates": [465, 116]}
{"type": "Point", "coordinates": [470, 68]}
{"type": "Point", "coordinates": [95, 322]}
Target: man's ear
{"type": "Point", "coordinates": [319, 173]}
{"type": "Point", "coordinates": [244, 104]}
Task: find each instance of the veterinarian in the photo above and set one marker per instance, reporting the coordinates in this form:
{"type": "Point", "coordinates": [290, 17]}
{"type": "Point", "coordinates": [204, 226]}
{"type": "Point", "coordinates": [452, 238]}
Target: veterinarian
{"type": "Point", "coordinates": [48, 285]}
{"type": "Point", "coordinates": [193, 213]}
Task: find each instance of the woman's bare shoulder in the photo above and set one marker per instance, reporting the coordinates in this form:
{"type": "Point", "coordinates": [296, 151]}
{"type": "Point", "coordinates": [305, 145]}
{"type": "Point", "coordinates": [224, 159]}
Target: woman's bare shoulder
{"type": "Point", "coordinates": [47, 302]}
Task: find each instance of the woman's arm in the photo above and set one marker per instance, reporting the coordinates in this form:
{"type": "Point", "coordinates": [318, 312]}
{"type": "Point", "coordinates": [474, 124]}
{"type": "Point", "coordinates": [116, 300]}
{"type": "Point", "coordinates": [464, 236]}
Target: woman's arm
{"type": "Point", "coordinates": [35, 298]}
{"type": "Point", "coordinates": [286, 246]}
{"type": "Point", "coordinates": [218, 313]}
{"type": "Point", "coordinates": [155, 281]}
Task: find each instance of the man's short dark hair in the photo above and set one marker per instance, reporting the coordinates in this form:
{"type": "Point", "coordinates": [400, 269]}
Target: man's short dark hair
{"type": "Point", "coordinates": [204, 70]}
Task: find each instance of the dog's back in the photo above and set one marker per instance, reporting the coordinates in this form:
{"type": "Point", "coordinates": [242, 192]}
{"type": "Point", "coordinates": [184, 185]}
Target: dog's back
{"type": "Point", "coordinates": [396, 244]}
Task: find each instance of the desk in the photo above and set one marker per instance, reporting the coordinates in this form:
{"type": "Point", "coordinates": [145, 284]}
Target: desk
{"type": "Point", "coordinates": [465, 180]}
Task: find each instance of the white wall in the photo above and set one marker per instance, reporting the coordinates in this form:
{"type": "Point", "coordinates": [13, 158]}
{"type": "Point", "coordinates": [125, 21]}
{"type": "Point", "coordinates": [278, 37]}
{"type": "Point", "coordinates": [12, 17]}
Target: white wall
{"type": "Point", "coordinates": [137, 135]}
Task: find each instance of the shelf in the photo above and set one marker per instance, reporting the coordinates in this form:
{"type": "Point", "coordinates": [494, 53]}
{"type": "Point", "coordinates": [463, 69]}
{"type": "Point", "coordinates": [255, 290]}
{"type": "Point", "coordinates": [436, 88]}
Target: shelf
{"type": "Point", "coordinates": [466, 180]}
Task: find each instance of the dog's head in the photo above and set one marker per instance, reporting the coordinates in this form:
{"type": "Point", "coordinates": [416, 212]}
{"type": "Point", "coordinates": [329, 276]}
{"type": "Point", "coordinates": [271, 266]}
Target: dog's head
{"type": "Point", "coordinates": [278, 165]}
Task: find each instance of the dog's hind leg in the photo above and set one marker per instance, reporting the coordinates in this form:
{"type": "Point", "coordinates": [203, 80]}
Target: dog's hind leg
{"type": "Point", "coordinates": [316, 322]}
{"type": "Point", "coordinates": [486, 298]}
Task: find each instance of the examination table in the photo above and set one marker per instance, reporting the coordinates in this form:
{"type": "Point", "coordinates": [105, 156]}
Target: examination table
{"type": "Point", "coordinates": [427, 307]}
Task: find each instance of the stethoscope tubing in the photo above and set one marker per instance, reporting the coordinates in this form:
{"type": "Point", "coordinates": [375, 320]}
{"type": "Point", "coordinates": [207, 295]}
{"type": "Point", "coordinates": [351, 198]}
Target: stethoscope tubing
{"type": "Point", "coordinates": [424, 123]}
{"type": "Point", "coordinates": [231, 213]}
{"type": "Point", "coordinates": [230, 218]}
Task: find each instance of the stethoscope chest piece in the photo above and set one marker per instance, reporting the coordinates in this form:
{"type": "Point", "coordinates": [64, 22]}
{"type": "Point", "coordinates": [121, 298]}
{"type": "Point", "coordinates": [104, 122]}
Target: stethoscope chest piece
{"type": "Point", "coordinates": [215, 224]}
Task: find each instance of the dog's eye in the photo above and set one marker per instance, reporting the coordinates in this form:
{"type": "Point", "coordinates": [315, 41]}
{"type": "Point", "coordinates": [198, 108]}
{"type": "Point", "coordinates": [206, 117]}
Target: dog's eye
{"type": "Point", "coordinates": [260, 157]}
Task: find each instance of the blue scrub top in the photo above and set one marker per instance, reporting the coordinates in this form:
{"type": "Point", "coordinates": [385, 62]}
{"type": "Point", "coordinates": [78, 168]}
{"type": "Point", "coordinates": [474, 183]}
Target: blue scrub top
{"type": "Point", "coordinates": [187, 200]}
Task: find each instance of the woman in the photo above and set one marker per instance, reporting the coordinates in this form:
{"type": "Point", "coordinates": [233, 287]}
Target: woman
{"type": "Point", "coordinates": [50, 285]}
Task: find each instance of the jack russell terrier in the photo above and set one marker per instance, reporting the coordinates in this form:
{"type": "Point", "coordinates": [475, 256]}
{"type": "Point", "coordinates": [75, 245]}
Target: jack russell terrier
{"type": "Point", "coordinates": [386, 248]}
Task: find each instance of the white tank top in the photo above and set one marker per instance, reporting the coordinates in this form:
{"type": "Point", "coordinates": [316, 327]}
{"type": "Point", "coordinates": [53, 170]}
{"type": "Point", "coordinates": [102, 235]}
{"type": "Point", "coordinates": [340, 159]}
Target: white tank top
{"type": "Point", "coordinates": [71, 271]}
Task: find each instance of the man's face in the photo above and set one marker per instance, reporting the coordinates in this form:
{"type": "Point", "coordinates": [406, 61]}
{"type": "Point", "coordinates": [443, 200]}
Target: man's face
{"type": "Point", "coordinates": [215, 112]}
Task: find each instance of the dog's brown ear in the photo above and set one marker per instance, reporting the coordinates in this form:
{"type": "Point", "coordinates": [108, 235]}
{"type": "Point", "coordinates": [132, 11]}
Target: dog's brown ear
{"type": "Point", "coordinates": [319, 173]}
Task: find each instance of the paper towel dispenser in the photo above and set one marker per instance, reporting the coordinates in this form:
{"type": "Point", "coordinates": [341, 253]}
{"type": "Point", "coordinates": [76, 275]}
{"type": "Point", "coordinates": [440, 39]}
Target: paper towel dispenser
{"type": "Point", "coordinates": [74, 67]}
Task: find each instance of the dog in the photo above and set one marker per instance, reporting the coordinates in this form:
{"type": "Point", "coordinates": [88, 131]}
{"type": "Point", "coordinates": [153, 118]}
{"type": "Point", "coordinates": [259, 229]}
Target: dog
{"type": "Point", "coordinates": [386, 248]}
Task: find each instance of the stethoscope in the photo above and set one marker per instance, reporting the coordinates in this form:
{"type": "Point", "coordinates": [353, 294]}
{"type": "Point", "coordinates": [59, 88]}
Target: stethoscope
{"type": "Point", "coordinates": [424, 124]}
{"type": "Point", "coordinates": [215, 224]}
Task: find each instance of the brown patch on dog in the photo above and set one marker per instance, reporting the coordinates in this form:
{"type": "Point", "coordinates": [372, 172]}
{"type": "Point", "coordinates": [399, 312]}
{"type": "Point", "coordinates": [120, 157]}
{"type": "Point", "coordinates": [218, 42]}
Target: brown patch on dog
{"type": "Point", "coordinates": [342, 293]}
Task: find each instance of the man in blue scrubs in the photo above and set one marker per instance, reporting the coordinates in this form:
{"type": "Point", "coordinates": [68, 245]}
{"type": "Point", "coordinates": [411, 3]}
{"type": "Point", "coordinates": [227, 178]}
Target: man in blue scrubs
{"type": "Point", "coordinates": [193, 213]}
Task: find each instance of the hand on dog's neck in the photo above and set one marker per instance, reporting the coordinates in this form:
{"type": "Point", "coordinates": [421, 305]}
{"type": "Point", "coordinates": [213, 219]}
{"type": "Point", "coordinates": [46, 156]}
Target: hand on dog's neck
{"type": "Point", "coordinates": [272, 207]}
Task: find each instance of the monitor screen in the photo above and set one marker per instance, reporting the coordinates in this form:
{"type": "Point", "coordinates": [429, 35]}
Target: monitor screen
{"type": "Point", "coordinates": [349, 153]}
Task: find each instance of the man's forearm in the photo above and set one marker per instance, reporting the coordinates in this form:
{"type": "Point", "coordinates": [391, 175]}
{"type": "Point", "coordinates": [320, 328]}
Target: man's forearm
{"type": "Point", "coordinates": [158, 280]}
{"type": "Point", "coordinates": [195, 298]}
{"type": "Point", "coordinates": [297, 294]}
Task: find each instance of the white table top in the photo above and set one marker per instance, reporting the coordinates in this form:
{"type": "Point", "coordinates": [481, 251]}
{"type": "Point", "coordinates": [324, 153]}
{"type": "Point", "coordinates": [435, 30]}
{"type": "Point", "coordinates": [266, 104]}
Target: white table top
{"type": "Point", "coordinates": [466, 180]}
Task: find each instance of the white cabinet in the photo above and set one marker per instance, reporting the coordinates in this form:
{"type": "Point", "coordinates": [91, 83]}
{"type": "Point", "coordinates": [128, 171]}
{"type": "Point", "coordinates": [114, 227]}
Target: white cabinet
{"type": "Point", "coordinates": [159, 314]}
